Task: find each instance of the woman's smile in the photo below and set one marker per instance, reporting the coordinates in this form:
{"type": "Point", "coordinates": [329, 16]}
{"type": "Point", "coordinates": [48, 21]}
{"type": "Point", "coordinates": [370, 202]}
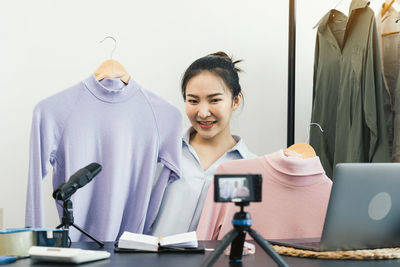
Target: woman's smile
{"type": "Point", "coordinates": [206, 124]}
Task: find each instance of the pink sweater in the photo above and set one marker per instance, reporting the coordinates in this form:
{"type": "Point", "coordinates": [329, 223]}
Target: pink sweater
{"type": "Point", "coordinates": [295, 195]}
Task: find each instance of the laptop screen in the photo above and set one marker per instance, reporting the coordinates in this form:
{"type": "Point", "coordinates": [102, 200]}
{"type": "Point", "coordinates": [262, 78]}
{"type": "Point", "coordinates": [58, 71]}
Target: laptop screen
{"type": "Point", "coordinates": [363, 209]}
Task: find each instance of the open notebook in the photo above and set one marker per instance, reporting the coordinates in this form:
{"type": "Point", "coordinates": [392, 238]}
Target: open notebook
{"type": "Point", "coordinates": [139, 242]}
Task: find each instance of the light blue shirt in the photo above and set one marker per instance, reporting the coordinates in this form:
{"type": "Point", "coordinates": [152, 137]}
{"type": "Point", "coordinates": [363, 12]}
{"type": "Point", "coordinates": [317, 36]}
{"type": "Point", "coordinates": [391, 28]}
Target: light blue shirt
{"type": "Point", "coordinates": [183, 199]}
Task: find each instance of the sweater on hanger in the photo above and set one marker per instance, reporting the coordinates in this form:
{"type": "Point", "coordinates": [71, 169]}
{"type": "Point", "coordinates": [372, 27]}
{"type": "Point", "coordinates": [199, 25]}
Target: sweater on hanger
{"type": "Point", "coordinates": [295, 195]}
{"type": "Point", "coordinates": [125, 128]}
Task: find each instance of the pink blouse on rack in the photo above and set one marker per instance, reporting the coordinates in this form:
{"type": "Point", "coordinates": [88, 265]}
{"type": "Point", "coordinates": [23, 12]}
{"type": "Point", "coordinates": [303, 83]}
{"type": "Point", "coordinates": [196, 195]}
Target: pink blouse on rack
{"type": "Point", "coordinates": [295, 195]}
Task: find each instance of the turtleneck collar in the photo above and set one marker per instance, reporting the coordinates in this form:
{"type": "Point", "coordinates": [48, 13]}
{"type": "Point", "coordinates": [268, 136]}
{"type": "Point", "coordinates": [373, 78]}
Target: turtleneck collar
{"type": "Point", "coordinates": [110, 90]}
{"type": "Point", "coordinates": [295, 171]}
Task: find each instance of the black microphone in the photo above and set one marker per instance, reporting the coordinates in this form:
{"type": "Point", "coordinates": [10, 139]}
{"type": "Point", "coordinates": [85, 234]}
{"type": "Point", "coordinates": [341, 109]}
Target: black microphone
{"type": "Point", "coordinates": [76, 181]}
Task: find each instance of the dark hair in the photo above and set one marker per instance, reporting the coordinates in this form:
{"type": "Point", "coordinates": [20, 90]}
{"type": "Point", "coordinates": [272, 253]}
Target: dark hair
{"type": "Point", "coordinates": [218, 63]}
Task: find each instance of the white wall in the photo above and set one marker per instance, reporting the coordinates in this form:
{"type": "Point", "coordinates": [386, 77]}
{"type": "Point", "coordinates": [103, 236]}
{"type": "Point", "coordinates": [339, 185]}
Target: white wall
{"type": "Point", "coordinates": [47, 46]}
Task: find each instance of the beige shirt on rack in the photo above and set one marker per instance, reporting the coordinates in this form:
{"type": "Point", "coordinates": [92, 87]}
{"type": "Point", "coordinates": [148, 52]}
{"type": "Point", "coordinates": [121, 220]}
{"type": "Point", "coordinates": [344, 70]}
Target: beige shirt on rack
{"type": "Point", "coordinates": [390, 53]}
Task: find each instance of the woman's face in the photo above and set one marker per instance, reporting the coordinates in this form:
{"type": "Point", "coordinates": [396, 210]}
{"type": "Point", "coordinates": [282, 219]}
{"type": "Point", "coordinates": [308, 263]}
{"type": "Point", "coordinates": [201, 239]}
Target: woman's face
{"type": "Point", "coordinates": [209, 105]}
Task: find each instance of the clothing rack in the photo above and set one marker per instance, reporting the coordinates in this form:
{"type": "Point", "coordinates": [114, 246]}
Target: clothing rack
{"type": "Point", "coordinates": [291, 73]}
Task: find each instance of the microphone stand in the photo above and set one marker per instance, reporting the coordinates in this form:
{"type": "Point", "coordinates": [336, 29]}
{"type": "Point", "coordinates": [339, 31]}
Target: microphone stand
{"type": "Point", "coordinates": [68, 220]}
{"type": "Point", "coordinates": [242, 224]}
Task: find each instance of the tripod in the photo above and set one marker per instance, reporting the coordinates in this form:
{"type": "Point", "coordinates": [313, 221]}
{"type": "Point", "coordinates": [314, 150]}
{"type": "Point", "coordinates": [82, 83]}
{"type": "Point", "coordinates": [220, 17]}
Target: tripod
{"type": "Point", "coordinates": [68, 220]}
{"type": "Point", "coordinates": [242, 223]}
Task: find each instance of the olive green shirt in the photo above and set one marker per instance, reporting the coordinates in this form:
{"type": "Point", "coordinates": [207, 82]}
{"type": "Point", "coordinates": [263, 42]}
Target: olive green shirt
{"type": "Point", "coordinates": [348, 90]}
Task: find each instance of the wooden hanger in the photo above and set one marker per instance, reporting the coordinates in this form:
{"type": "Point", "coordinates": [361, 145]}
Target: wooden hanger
{"type": "Point", "coordinates": [112, 68]}
{"type": "Point", "coordinates": [386, 6]}
{"type": "Point", "coordinates": [303, 150]}
{"type": "Point", "coordinates": [389, 33]}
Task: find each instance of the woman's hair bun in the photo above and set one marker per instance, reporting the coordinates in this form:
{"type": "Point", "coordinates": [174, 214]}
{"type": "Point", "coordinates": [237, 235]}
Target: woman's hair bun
{"type": "Point", "coordinates": [230, 59]}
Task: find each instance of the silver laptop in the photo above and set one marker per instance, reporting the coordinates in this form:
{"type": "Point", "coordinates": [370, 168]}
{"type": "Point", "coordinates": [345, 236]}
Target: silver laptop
{"type": "Point", "coordinates": [363, 210]}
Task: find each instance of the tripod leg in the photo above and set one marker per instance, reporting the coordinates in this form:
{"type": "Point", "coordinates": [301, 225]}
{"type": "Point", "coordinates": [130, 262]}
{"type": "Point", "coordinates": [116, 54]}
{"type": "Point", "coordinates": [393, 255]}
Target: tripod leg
{"type": "Point", "coordinates": [267, 248]}
{"type": "Point", "coordinates": [101, 244]}
{"type": "Point", "coordinates": [219, 249]}
{"type": "Point", "coordinates": [237, 246]}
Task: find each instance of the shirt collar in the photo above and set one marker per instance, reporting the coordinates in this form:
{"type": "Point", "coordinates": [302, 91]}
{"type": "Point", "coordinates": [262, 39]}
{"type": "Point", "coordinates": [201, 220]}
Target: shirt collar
{"type": "Point", "coordinates": [355, 4]}
{"type": "Point", "coordinates": [186, 135]}
{"type": "Point", "coordinates": [323, 22]}
{"type": "Point", "coordinates": [240, 146]}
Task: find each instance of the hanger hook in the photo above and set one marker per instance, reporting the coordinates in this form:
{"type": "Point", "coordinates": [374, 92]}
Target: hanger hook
{"type": "Point", "coordinates": [338, 4]}
{"type": "Point", "coordinates": [115, 44]}
{"type": "Point", "coordinates": [308, 130]}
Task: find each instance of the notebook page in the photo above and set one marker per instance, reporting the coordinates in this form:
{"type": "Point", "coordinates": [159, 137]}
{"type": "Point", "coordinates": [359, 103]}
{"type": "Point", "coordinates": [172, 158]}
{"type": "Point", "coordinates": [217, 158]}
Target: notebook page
{"type": "Point", "coordinates": [138, 241]}
{"type": "Point", "coordinates": [188, 240]}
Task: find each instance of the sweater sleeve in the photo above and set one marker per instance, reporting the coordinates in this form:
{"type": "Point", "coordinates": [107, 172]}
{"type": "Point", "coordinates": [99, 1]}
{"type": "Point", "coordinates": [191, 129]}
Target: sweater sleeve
{"type": "Point", "coordinates": [170, 150]}
{"type": "Point", "coordinates": [42, 145]}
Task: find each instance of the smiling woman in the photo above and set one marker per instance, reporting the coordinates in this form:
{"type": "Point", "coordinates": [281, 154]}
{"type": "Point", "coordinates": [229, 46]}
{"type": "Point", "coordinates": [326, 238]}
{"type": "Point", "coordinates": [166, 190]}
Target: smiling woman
{"type": "Point", "coordinates": [209, 107]}
{"type": "Point", "coordinates": [211, 90]}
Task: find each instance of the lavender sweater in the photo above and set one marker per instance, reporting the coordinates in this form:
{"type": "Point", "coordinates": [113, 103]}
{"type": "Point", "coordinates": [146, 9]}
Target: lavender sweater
{"type": "Point", "coordinates": [127, 129]}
